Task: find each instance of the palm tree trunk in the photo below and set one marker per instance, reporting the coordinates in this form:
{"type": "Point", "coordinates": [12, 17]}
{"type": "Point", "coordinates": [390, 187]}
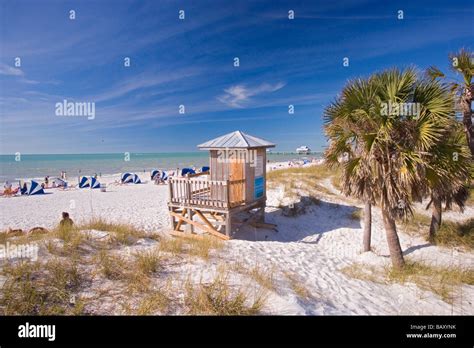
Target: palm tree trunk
{"type": "Point", "coordinates": [367, 225]}
{"type": "Point", "coordinates": [396, 253]}
{"type": "Point", "coordinates": [467, 117]}
{"type": "Point", "coordinates": [435, 219]}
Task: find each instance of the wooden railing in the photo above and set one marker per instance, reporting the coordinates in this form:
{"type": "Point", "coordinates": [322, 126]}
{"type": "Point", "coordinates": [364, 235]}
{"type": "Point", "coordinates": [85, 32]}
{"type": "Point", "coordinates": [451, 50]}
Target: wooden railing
{"type": "Point", "coordinates": [206, 193]}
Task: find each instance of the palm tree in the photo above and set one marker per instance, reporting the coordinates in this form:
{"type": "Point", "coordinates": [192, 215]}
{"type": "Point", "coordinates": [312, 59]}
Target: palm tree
{"type": "Point", "coordinates": [393, 149]}
{"type": "Point", "coordinates": [448, 176]}
{"type": "Point", "coordinates": [462, 62]}
{"type": "Point", "coordinates": [344, 128]}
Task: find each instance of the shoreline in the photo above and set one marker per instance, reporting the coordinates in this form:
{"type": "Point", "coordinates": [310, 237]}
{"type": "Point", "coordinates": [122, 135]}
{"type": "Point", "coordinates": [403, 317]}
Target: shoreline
{"type": "Point", "coordinates": [142, 172]}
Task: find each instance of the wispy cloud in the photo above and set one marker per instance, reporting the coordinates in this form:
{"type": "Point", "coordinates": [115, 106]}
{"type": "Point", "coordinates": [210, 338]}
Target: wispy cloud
{"type": "Point", "coordinates": [10, 71]}
{"type": "Point", "coordinates": [238, 96]}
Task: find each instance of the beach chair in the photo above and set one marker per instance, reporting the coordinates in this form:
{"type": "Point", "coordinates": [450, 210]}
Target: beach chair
{"type": "Point", "coordinates": [186, 171]}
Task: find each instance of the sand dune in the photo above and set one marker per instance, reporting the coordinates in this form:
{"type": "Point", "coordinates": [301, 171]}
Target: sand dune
{"type": "Point", "coordinates": [312, 248]}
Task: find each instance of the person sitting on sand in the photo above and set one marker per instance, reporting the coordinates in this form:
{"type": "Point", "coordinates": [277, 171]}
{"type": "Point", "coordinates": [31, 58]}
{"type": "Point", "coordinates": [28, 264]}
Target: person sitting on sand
{"type": "Point", "coordinates": [66, 221]}
{"type": "Point", "coordinates": [24, 189]}
{"type": "Point", "coordinates": [7, 189]}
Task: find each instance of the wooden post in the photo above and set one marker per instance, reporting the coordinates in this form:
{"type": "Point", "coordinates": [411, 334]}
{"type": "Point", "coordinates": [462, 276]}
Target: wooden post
{"type": "Point", "coordinates": [227, 193]}
{"type": "Point", "coordinates": [228, 224]}
{"type": "Point", "coordinates": [190, 227]}
{"type": "Point", "coordinates": [172, 219]}
{"type": "Point", "coordinates": [261, 213]}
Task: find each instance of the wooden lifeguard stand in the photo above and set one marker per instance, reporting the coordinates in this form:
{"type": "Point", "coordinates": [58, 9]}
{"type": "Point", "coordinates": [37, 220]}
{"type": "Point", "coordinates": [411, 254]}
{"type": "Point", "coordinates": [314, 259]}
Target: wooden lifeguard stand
{"type": "Point", "coordinates": [235, 183]}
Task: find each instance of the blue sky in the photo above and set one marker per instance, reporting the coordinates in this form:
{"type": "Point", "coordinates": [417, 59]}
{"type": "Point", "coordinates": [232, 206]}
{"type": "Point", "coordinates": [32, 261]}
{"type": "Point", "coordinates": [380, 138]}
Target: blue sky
{"type": "Point", "coordinates": [191, 62]}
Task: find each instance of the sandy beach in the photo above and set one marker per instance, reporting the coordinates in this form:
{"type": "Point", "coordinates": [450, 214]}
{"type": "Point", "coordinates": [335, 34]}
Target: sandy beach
{"type": "Point", "coordinates": [314, 247]}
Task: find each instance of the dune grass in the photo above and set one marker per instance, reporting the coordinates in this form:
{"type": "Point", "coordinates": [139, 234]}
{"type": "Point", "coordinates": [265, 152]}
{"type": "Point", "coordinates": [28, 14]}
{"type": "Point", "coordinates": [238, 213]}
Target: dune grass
{"type": "Point", "coordinates": [148, 262]}
{"type": "Point", "coordinates": [154, 302]}
{"type": "Point", "coordinates": [202, 247]}
{"type": "Point", "coordinates": [456, 234]}
{"type": "Point", "coordinates": [108, 273]}
{"type": "Point", "coordinates": [174, 246]}
{"type": "Point", "coordinates": [32, 288]}
{"type": "Point", "coordinates": [450, 234]}
{"type": "Point", "coordinates": [316, 172]}
{"type": "Point", "coordinates": [124, 234]}
{"type": "Point", "coordinates": [442, 281]}
{"type": "Point", "coordinates": [264, 276]}
{"type": "Point", "coordinates": [111, 266]}
{"type": "Point", "coordinates": [298, 286]}
{"type": "Point", "coordinates": [220, 298]}
{"type": "Point", "coordinates": [306, 181]}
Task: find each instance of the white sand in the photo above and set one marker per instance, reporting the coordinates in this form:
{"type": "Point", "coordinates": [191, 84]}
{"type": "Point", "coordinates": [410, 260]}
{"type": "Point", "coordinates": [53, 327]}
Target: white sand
{"type": "Point", "coordinates": [312, 247]}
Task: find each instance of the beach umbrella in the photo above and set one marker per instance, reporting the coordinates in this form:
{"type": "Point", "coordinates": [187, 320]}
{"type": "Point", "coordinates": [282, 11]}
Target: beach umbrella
{"type": "Point", "coordinates": [136, 179]}
{"type": "Point", "coordinates": [126, 178]}
{"type": "Point", "coordinates": [154, 174]}
{"type": "Point", "coordinates": [84, 182]}
{"type": "Point", "coordinates": [185, 171]}
{"type": "Point", "coordinates": [94, 183]}
{"type": "Point", "coordinates": [35, 189]}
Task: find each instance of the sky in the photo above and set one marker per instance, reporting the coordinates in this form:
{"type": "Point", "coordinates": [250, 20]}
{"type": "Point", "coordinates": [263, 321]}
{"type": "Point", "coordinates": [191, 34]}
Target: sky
{"type": "Point", "coordinates": [191, 62]}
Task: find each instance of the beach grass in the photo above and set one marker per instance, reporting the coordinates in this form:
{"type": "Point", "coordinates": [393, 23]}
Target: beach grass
{"type": "Point", "coordinates": [443, 281]}
{"type": "Point", "coordinates": [111, 266]}
{"type": "Point", "coordinates": [203, 247]}
{"type": "Point", "coordinates": [450, 233]}
{"type": "Point", "coordinates": [42, 289]}
{"type": "Point", "coordinates": [155, 301]}
{"type": "Point", "coordinates": [218, 297]}
{"type": "Point", "coordinates": [298, 286]}
{"type": "Point", "coordinates": [317, 172]}
{"type": "Point", "coordinates": [148, 261]}
{"type": "Point", "coordinates": [440, 280]}
{"type": "Point", "coordinates": [174, 246]}
{"type": "Point", "coordinates": [121, 273]}
{"type": "Point", "coordinates": [125, 234]}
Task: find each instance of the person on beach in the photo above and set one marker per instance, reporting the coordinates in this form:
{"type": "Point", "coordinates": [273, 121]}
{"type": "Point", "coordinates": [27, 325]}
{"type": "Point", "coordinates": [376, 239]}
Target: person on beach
{"type": "Point", "coordinates": [46, 181]}
{"type": "Point", "coordinates": [24, 189]}
{"type": "Point", "coordinates": [66, 221]}
{"type": "Point", "coordinates": [7, 189]}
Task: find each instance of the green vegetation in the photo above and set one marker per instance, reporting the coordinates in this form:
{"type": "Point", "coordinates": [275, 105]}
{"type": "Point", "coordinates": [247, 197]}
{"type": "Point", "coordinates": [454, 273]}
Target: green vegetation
{"type": "Point", "coordinates": [450, 234]}
{"type": "Point", "coordinates": [219, 298]}
{"type": "Point", "coordinates": [443, 281]}
{"type": "Point", "coordinates": [118, 271]}
{"type": "Point", "coordinates": [392, 159]}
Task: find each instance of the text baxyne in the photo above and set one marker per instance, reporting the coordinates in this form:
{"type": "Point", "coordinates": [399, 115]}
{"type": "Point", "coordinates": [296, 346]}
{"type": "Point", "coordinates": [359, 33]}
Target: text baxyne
{"type": "Point", "coordinates": [67, 108]}
{"type": "Point", "coordinates": [32, 331]}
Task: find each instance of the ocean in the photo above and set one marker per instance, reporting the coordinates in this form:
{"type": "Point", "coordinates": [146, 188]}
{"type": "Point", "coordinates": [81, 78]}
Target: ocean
{"type": "Point", "coordinates": [14, 168]}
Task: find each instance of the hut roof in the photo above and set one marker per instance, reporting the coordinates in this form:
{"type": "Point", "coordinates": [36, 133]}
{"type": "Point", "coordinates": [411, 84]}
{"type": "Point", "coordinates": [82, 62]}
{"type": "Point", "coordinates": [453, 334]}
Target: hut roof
{"type": "Point", "coordinates": [235, 139]}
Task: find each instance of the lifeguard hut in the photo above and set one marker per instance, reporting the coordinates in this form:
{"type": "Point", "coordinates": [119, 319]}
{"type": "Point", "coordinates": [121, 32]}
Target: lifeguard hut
{"type": "Point", "coordinates": [235, 184]}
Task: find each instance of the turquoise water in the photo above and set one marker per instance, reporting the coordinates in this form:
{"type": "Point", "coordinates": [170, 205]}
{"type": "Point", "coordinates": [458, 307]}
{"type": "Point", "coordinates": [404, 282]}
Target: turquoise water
{"type": "Point", "coordinates": [39, 166]}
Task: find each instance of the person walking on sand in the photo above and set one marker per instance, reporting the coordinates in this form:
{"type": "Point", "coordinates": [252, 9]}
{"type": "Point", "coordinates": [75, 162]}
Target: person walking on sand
{"type": "Point", "coordinates": [66, 221]}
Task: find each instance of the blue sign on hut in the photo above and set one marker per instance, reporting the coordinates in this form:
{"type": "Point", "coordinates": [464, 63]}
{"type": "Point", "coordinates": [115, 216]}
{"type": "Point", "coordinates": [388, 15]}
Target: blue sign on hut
{"type": "Point", "coordinates": [210, 201]}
